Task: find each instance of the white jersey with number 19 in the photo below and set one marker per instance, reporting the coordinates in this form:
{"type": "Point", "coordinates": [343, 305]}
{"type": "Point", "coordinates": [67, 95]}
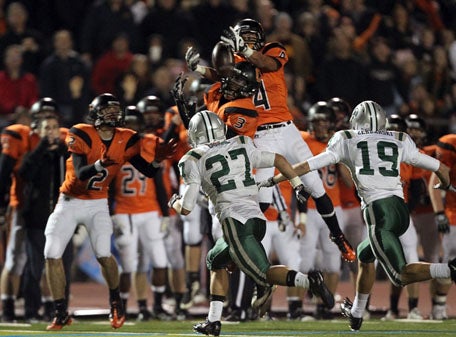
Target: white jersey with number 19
{"type": "Point", "coordinates": [374, 160]}
{"type": "Point", "coordinates": [224, 170]}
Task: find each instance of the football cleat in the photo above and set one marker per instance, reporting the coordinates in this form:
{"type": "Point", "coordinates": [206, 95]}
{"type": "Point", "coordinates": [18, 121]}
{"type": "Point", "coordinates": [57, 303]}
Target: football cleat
{"type": "Point", "coordinates": [355, 323]}
{"type": "Point", "coordinates": [59, 321]}
{"type": "Point", "coordinates": [346, 250]}
{"type": "Point", "coordinates": [161, 314]}
{"type": "Point", "coordinates": [208, 328]}
{"type": "Point", "coordinates": [318, 287]}
{"type": "Point", "coordinates": [189, 297]}
{"type": "Point", "coordinates": [263, 300]}
{"type": "Point", "coordinates": [117, 315]}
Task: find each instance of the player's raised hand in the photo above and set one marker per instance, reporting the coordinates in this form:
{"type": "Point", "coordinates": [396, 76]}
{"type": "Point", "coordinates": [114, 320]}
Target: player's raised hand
{"type": "Point", "coordinates": [165, 150]}
{"type": "Point", "coordinates": [192, 58]}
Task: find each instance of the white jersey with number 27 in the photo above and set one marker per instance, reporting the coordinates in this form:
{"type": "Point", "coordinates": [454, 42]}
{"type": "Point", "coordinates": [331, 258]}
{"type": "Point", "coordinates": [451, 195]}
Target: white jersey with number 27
{"type": "Point", "coordinates": [374, 160]}
{"type": "Point", "coordinates": [224, 170]}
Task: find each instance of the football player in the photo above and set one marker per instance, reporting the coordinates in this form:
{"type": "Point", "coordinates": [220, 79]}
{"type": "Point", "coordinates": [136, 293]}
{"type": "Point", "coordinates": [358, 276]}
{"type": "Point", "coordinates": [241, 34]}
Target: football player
{"type": "Point", "coordinates": [137, 225]}
{"type": "Point", "coordinates": [223, 168]}
{"type": "Point", "coordinates": [373, 155]}
{"type": "Point", "coordinates": [98, 151]}
{"type": "Point", "coordinates": [276, 130]}
{"type": "Point", "coordinates": [445, 219]}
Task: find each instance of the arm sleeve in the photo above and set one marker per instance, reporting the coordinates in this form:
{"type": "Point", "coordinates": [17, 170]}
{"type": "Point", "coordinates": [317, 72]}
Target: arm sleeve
{"type": "Point", "coordinates": [81, 169]}
{"type": "Point", "coordinates": [190, 196]}
{"type": "Point", "coordinates": [143, 166]}
{"type": "Point", "coordinates": [321, 160]}
{"type": "Point", "coordinates": [161, 193]}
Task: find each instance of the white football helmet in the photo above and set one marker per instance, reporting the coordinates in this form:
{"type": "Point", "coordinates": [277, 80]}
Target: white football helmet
{"type": "Point", "coordinates": [206, 127]}
{"type": "Point", "coordinates": [369, 116]}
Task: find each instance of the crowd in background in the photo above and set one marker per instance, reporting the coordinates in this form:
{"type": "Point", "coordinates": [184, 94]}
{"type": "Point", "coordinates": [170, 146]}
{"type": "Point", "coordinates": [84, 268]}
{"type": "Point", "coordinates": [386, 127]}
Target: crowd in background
{"type": "Point", "coordinates": [401, 54]}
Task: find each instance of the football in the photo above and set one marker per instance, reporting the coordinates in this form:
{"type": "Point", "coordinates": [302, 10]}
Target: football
{"type": "Point", "coordinates": [223, 59]}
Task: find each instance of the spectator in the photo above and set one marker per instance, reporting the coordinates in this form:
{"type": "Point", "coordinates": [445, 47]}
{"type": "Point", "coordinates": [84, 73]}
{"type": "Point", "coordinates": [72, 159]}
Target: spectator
{"type": "Point", "coordinates": [336, 69]}
{"type": "Point", "coordinates": [163, 79]}
{"type": "Point", "coordinates": [382, 75]}
{"type": "Point", "coordinates": [19, 33]}
{"type": "Point", "coordinates": [300, 59]}
{"type": "Point", "coordinates": [111, 65]}
{"type": "Point", "coordinates": [211, 18]}
{"type": "Point", "coordinates": [136, 82]}
{"type": "Point", "coordinates": [65, 77]}
{"type": "Point", "coordinates": [169, 22]}
{"type": "Point", "coordinates": [18, 88]}
{"type": "Point", "coordinates": [105, 20]}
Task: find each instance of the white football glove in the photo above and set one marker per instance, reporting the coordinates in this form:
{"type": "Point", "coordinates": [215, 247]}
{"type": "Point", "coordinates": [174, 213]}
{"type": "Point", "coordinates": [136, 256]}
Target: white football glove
{"type": "Point", "coordinates": [192, 57]}
{"type": "Point", "coordinates": [173, 199]}
{"type": "Point", "coordinates": [266, 183]}
{"type": "Point", "coordinates": [236, 42]}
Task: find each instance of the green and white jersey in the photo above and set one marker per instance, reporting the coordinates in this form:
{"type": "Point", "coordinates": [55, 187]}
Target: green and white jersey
{"type": "Point", "coordinates": [224, 170]}
{"type": "Point", "coordinates": [374, 160]}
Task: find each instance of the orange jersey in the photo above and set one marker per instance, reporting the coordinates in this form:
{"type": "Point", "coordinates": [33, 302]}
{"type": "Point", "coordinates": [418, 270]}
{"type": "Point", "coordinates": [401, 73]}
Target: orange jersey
{"type": "Point", "coordinates": [182, 145]}
{"type": "Point", "coordinates": [328, 174]}
{"type": "Point", "coordinates": [418, 186]}
{"type": "Point", "coordinates": [446, 153]}
{"type": "Point", "coordinates": [239, 115]}
{"type": "Point", "coordinates": [406, 176]}
{"type": "Point", "coordinates": [83, 139]}
{"type": "Point", "coordinates": [271, 99]}
{"type": "Point", "coordinates": [134, 192]}
{"type": "Point", "coordinates": [17, 140]}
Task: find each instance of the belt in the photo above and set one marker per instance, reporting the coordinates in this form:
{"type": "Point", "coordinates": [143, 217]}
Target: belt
{"type": "Point", "coordinates": [273, 126]}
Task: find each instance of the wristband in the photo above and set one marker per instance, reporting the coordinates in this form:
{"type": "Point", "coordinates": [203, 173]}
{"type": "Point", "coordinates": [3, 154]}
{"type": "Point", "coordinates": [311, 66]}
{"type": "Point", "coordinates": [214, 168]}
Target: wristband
{"type": "Point", "coordinates": [248, 52]}
{"type": "Point", "coordinates": [295, 182]}
{"type": "Point", "coordinates": [98, 166]}
{"type": "Point", "coordinates": [303, 218]}
{"type": "Point", "coordinates": [200, 69]}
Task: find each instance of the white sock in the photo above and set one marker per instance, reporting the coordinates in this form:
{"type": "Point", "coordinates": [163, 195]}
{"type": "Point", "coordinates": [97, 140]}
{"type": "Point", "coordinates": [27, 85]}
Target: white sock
{"type": "Point", "coordinates": [215, 311]}
{"type": "Point", "coordinates": [359, 305]}
{"type": "Point", "coordinates": [301, 280]}
{"type": "Point", "coordinates": [439, 270]}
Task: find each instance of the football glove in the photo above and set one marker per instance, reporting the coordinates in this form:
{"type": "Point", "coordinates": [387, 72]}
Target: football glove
{"type": "Point", "coordinates": [301, 194]}
{"type": "Point", "coordinates": [164, 150]}
{"type": "Point", "coordinates": [441, 220]}
{"type": "Point", "coordinates": [192, 57]}
{"type": "Point", "coordinates": [266, 183]}
{"type": "Point", "coordinates": [232, 38]}
{"type": "Point", "coordinates": [173, 199]}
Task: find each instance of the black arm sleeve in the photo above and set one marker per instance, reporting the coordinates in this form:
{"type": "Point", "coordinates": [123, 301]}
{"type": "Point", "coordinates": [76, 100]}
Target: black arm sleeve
{"type": "Point", "coordinates": [170, 133]}
{"type": "Point", "coordinates": [162, 196]}
{"type": "Point", "coordinates": [81, 169]}
{"type": "Point", "coordinates": [144, 166]}
{"type": "Point", "coordinates": [6, 167]}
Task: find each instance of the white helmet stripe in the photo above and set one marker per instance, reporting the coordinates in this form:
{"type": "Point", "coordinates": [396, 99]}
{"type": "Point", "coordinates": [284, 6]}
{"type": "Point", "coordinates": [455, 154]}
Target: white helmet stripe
{"type": "Point", "coordinates": [208, 126]}
{"type": "Point", "coordinates": [372, 115]}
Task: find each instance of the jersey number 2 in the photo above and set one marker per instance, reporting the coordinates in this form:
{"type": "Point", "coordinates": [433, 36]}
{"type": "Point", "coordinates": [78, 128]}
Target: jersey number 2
{"type": "Point", "coordinates": [225, 170]}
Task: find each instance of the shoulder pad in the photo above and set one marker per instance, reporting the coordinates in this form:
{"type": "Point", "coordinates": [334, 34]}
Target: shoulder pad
{"type": "Point", "coordinates": [270, 45]}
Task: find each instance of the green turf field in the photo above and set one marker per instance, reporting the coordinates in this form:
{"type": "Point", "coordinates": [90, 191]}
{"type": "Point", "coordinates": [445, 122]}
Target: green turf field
{"type": "Point", "coordinates": [373, 327]}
